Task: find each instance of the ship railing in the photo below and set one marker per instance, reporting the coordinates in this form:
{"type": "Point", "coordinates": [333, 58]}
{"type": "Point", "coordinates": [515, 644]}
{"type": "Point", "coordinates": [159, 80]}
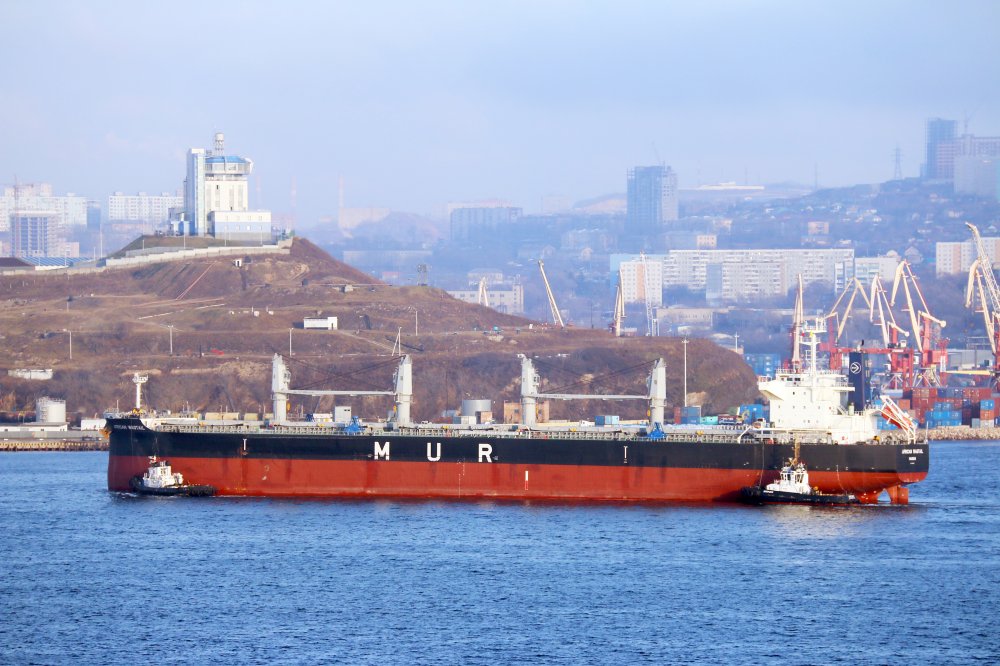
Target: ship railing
{"type": "Point", "coordinates": [715, 435]}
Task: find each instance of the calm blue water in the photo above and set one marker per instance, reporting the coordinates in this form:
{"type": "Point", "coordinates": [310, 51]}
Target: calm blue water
{"type": "Point", "coordinates": [92, 577]}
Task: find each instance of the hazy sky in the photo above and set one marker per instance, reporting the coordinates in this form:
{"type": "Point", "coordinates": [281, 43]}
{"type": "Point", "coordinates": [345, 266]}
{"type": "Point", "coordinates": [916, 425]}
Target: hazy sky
{"type": "Point", "coordinates": [418, 103]}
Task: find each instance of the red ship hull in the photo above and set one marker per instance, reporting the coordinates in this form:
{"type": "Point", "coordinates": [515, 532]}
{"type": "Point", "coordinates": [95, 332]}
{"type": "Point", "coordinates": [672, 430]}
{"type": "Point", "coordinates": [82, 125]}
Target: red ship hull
{"type": "Point", "coordinates": [325, 478]}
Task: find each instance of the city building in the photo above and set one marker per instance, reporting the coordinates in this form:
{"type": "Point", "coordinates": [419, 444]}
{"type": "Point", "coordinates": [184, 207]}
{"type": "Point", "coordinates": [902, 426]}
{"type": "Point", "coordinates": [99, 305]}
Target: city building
{"type": "Point", "coordinates": [940, 154]}
{"type": "Point", "coordinates": [216, 197]}
{"type": "Point", "coordinates": [36, 234]}
{"type": "Point", "coordinates": [480, 221]}
{"type": "Point", "coordinates": [954, 257]}
{"type": "Point", "coordinates": [149, 210]}
{"type": "Point", "coordinates": [978, 175]}
{"type": "Point", "coordinates": [866, 268]}
{"type": "Point", "coordinates": [651, 199]}
{"type": "Point", "coordinates": [642, 279]}
{"type": "Point", "coordinates": [70, 210]}
{"type": "Point", "coordinates": [505, 298]}
{"type": "Point", "coordinates": [952, 158]}
{"type": "Point", "coordinates": [731, 275]}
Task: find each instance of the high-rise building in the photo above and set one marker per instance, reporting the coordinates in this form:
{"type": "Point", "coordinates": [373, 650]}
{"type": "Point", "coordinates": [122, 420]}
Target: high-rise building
{"type": "Point", "coordinates": [35, 234]}
{"type": "Point", "coordinates": [940, 149]}
{"type": "Point", "coordinates": [652, 199]}
{"type": "Point", "coordinates": [216, 197]}
{"type": "Point", "coordinates": [71, 210]}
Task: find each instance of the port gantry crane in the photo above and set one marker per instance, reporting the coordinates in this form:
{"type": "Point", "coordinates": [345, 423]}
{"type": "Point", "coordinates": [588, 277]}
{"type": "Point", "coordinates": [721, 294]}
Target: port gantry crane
{"type": "Point", "coordinates": [837, 320]}
{"type": "Point", "coordinates": [556, 317]}
{"type": "Point", "coordinates": [926, 328]}
{"type": "Point", "coordinates": [483, 298]}
{"type": "Point", "coordinates": [983, 283]}
{"type": "Point", "coordinates": [619, 313]}
{"type": "Point", "coordinates": [899, 353]}
{"type": "Point", "coordinates": [798, 321]}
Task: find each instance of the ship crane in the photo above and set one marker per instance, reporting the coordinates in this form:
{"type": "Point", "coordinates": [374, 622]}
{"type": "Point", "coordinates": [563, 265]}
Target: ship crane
{"type": "Point", "coordinates": [983, 283]}
{"type": "Point", "coordinates": [924, 326]}
{"type": "Point", "coordinates": [556, 317]}
{"type": "Point", "coordinates": [403, 391]}
{"type": "Point", "coordinates": [657, 394]}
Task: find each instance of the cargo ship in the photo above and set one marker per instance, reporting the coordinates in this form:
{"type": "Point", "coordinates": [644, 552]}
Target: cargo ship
{"type": "Point", "coordinates": [811, 412]}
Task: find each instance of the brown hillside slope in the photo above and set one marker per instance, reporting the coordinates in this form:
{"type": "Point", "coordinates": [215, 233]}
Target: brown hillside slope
{"type": "Point", "coordinates": [226, 321]}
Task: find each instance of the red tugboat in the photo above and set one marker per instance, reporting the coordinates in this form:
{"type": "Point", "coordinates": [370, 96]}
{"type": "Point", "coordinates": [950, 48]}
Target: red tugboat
{"type": "Point", "coordinates": [528, 461]}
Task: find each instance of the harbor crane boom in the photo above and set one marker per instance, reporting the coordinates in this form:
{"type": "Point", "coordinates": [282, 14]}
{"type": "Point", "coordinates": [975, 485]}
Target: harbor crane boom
{"type": "Point", "coordinates": [983, 283]}
{"type": "Point", "coordinates": [556, 317]}
{"type": "Point", "coordinates": [619, 313]}
{"type": "Point", "coordinates": [932, 361]}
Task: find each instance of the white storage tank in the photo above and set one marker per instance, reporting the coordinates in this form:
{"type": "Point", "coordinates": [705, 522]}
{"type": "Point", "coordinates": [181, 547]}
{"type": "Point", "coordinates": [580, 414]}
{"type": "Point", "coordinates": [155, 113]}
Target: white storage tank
{"type": "Point", "coordinates": [50, 410]}
{"type": "Point", "coordinates": [471, 407]}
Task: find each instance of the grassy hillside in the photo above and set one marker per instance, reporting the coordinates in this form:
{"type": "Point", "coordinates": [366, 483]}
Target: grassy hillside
{"type": "Point", "coordinates": [227, 321]}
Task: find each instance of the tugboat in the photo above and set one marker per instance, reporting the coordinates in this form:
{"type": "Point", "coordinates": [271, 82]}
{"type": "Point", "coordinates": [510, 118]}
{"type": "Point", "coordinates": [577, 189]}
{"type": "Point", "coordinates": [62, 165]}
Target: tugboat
{"type": "Point", "coordinates": [160, 479]}
{"type": "Point", "coordinates": [792, 487]}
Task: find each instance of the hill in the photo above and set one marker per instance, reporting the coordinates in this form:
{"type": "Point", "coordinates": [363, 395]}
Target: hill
{"type": "Point", "coordinates": [225, 319]}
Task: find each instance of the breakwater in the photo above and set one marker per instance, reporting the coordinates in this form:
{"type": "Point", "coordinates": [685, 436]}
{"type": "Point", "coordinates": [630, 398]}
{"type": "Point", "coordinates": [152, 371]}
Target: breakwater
{"type": "Point", "coordinates": [963, 433]}
{"type": "Point", "coordinates": [95, 444]}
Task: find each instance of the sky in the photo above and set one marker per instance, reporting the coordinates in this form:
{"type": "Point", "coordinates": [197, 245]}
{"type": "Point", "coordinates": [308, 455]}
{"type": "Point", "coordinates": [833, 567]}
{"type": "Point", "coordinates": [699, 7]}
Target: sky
{"type": "Point", "coordinates": [416, 104]}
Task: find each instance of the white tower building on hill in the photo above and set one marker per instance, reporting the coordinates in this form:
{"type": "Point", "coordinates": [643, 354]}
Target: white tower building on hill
{"type": "Point", "coordinates": [216, 197]}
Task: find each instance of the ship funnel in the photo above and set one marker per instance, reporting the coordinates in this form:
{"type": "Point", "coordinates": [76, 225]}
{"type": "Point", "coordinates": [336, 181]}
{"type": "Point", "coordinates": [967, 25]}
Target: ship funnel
{"type": "Point", "coordinates": [404, 391]}
{"type": "Point", "coordinates": [529, 391]}
{"type": "Point", "coordinates": [280, 378]}
{"type": "Point", "coordinates": [657, 383]}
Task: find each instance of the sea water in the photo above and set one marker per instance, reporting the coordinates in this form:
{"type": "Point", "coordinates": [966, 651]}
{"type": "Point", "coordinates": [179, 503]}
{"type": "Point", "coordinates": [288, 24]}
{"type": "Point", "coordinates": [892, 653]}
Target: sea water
{"type": "Point", "coordinates": [88, 576]}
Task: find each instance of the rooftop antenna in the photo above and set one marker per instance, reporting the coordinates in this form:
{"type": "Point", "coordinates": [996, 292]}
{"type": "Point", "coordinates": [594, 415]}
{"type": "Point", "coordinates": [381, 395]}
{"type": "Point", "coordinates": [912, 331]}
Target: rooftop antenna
{"type": "Point", "coordinates": [897, 172]}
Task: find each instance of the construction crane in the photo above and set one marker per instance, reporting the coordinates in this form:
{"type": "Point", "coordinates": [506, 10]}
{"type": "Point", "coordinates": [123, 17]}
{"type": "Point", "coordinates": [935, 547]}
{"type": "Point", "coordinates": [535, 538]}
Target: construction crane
{"type": "Point", "coordinates": [556, 317]}
{"type": "Point", "coordinates": [483, 298]}
{"type": "Point", "coordinates": [619, 312]}
{"type": "Point", "coordinates": [930, 371]}
{"type": "Point", "coordinates": [983, 283]}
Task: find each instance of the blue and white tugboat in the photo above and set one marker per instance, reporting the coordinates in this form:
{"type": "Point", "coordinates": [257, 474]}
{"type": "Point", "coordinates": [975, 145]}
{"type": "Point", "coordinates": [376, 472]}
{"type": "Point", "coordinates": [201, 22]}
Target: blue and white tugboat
{"type": "Point", "coordinates": [160, 479]}
{"type": "Point", "coordinates": [792, 487]}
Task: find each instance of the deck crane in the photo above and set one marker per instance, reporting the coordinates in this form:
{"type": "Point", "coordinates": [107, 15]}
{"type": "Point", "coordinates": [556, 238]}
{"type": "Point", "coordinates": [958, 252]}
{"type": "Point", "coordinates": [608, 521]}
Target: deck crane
{"type": "Point", "coordinates": [619, 312]}
{"type": "Point", "coordinates": [983, 283]}
{"type": "Point", "coordinates": [556, 317]}
{"type": "Point", "coordinates": [483, 297]}
{"type": "Point", "coordinates": [930, 371]}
